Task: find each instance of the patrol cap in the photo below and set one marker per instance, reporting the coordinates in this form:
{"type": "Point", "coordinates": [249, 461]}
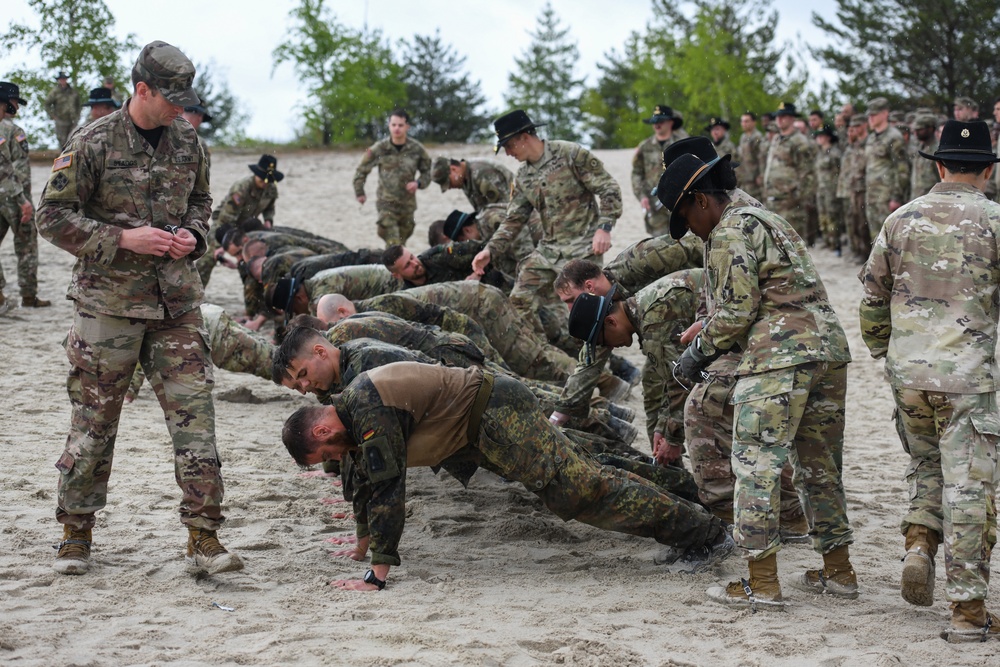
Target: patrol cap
{"type": "Point", "coordinates": [859, 120]}
{"type": "Point", "coordinates": [967, 102]}
{"type": "Point", "coordinates": [168, 70]}
{"type": "Point", "coordinates": [925, 121]}
{"type": "Point", "coordinates": [441, 172]}
{"type": "Point", "coordinates": [877, 105]}
{"type": "Point", "coordinates": [586, 317]}
{"type": "Point", "coordinates": [964, 142]}
{"type": "Point", "coordinates": [456, 221]}
{"type": "Point", "coordinates": [10, 91]}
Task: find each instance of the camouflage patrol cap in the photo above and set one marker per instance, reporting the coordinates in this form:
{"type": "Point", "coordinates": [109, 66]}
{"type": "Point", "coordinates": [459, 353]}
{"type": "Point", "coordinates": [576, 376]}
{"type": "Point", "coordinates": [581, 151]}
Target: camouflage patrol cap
{"type": "Point", "coordinates": [925, 121]}
{"type": "Point", "coordinates": [441, 171]}
{"type": "Point", "coordinates": [168, 70]}
{"type": "Point", "coordinates": [859, 120]}
{"type": "Point", "coordinates": [877, 105]}
{"type": "Point", "coordinates": [966, 102]}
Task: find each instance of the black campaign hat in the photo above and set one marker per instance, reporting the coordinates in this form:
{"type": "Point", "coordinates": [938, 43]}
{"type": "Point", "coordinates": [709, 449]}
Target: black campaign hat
{"type": "Point", "coordinates": [829, 131]}
{"type": "Point", "coordinates": [10, 91]}
{"type": "Point", "coordinates": [62, 75]}
{"type": "Point", "coordinates": [677, 181]}
{"type": "Point", "coordinates": [512, 124]}
{"type": "Point", "coordinates": [786, 109]}
{"type": "Point", "coordinates": [700, 146]}
{"type": "Point", "coordinates": [712, 122]}
{"type": "Point", "coordinates": [266, 168]}
{"type": "Point", "coordinates": [199, 108]}
{"type": "Point", "coordinates": [586, 317]}
{"type": "Point", "coordinates": [964, 142]}
{"type": "Point", "coordinates": [663, 112]}
{"type": "Point", "coordinates": [456, 221]}
{"type": "Point", "coordinates": [101, 96]}
{"type": "Point", "coordinates": [283, 293]}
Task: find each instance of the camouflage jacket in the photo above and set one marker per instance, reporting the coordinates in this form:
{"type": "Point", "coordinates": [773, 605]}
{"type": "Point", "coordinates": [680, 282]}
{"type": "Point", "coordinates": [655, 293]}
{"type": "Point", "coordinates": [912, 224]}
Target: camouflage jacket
{"type": "Point", "coordinates": [563, 186]}
{"type": "Point", "coordinates": [767, 296]}
{"type": "Point", "coordinates": [852, 171]}
{"type": "Point", "coordinates": [354, 282]}
{"type": "Point", "coordinates": [660, 313]}
{"type": "Point", "coordinates": [486, 183]}
{"type": "Point", "coordinates": [751, 153]}
{"type": "Point", "coordinates": [396, 168]}
{"type": "Point", "coordinates": [930, 303]}
{"type": "Point", "coordinates": [444, 263]}
{"type": "Point", "coordinates": [887, 167]}
{"type": "Point", "coordinates": [363, 354]}
{"type": "Point", "coordinates": [827, 172]}
{"type": "Point", "coordinates": [10, 132]}
{"type": "Point", "coordinates": [725, 147]}
{"type": "Point", "coordinates": [489, 220]}
{"type": "Point", "coordinates": [246, 200]}
{"type": "Point", "coordinates": [63, 104]}
{"type": "Point", "coordinates": [925, 174]}
{"type": "Point", "coordinates": [11, 186]}
{"type": "Point", "coordinates": [306, 268]}
{"type": "Point", "coordinates": [790, 171]}
{"type": "Point", "coordinates": [647, 165]}
{"type": "Point", "coordinates": [102, 184]}
{"type": "Point", "coordinates": [644, 262]}
{"type": "Point", "coordinates": [447, 347]}
{"type": "Point", "coordinates": [279, 240]}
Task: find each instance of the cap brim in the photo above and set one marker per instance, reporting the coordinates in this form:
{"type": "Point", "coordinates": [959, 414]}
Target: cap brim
{"type": "Point", "coordinates": [185, 98]}
{"type": "Point", "coordinates": [514, 133]}
{"type": "Point", "coordinates": [960, 156]}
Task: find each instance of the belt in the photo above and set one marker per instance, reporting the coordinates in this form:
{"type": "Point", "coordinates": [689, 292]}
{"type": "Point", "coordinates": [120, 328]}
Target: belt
{"type": "Point", "coordinates": [479, 406]}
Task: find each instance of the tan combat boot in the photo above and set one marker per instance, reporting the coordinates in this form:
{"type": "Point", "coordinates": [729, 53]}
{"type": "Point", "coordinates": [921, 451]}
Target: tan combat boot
{"type": "Point", "coordinates": [917, 583]}
{"type": "Point", "coordinates": [205, 552]}
{"type": "Point", "coordinates": [794, 530]}
{"type": "Point", "coordinates": [74, 551]}
{"type": "Point", "coordinates": [762, 591]}
{"type": "Point", "coordinates": [836, 578]}
{"type": "Point", "coordinates": [970, 622]}
{"type": "Point", "coordinates": [34, 302]}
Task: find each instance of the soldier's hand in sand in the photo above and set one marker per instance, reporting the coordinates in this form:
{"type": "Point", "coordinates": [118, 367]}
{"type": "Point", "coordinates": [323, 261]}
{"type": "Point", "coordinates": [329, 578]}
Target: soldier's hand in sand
{"type": "Point", "coordinates": [480, 261]}
{"type": "Point", "coordinates": [362, 199]}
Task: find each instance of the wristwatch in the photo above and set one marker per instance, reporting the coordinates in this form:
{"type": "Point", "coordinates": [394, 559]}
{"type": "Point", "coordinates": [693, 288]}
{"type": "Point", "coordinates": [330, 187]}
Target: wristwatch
{"type": "Point", "coordinates": [370, 578]}
{"type": "Point", "coordinates": [605, 227]}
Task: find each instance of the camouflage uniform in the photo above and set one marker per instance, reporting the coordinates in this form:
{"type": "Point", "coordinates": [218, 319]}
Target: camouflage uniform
{"type": "Point", "coordinates": [725, 147]}
{"type": "Point", "coordinates": [63, 106]}
{"type": "Point", "coordinates": [133, 307]}
{"type": "Point", "coordinates": [887, 175]}
{"type": "Point", "coordinates": [925, 173]}
{"type": "Point", "coordinates": [751, 153]}
{"type": "Point", "coordinates": [851, 192]}
{"type": "Point", "coordinates": [15, 189]}
{"type": "Point", "coordinates": [489, 220]}
{"type": "Point", "coordinates": [831, 222]}
{"type": "Point", "coordinates": [446, 263]}
{"type": "Point", "coordinates": [396, 168]}
{"type": "Point", "coordinates": [792, 376]}
{"type": "Point", "coordinates": [413, 414]}
{"type": "Point", "coordinates": [244, 200]}
{"type": "Point", "coordinates": [790, 180]}
{"type": "Point", "coordinates": [561, 186]}
{"type": "Point", "coordinates": [279, 240]}
{"type": "Point", "coordinates": [307, 267]}
{"type": "Point", "coordinates": [354, 282]}
{"type": "Point", "coordinates": [942, 366]}
{"type": "Point", "coordinates": [525, 352]}
{"type": "Point", "coordinates": [647, 165]}
{"type": "Point", "coordinates": [486, 183]}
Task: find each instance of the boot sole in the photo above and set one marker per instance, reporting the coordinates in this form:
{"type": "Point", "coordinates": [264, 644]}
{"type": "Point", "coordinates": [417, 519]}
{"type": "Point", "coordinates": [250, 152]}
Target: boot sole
{"type": "Point", "coordinates": [71, 566]}
{"type": "Point", "coordinates": [227, 563]}
{"type": "Point", "coordinates": [917, 583]}
{"type": "Point", "coordinates": [953, 636]}
{"type": "Point", "coordinates": [718, 594]}
{"type": "Point", "coordinates": [832, 588]}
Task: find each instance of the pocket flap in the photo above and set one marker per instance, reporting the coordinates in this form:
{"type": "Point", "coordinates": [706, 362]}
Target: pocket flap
{"type": "Point", "coordinates": [986, 423]}
{"type": "Point", "coordinates": [764, 385]}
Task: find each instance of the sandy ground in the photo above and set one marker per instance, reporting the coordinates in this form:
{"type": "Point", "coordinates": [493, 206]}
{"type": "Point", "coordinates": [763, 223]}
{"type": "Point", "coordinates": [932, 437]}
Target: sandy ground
{"type": "Point", "coordinates": [489, 577]}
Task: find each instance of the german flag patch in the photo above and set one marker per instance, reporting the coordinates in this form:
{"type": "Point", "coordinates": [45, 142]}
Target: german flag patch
{"type": "Point", "coordinates": [62, 162]}
{"type": "Point", "coordinates": [367, 435]}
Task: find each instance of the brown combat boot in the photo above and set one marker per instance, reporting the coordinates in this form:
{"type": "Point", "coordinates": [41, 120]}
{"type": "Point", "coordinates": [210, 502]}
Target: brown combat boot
{"type": "Point", "coordinates": [34, 302]}
{"type": "Point", "coordinates": [970, 622]}
{"type": "Point", "coordinates": [761, 591]}
{"type": "Point", "coordinates": [917, 583]}
{"type": "Point", "coordinates": [836, 578]}
{"type": "Point", "coordinates": [205, 552]}
{"type": "Point", "coordinates": [74, 551]}
{"type": "Point", "coordinates": [794, 530]}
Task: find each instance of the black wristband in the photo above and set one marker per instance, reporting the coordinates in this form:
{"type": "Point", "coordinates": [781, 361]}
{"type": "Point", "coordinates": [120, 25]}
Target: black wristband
{"type": "Point", "coordinates": [605, 227]}
{"type": "Point", "coordinates": [370, 578]}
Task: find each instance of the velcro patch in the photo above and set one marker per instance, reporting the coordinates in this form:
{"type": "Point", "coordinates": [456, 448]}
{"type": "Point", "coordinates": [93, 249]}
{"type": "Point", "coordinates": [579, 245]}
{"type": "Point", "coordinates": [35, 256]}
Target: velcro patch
{"type": "Point", "coordinates": [62, 162]}
{"type": "Point", "coordinates": [368, 434]}
{"type": "Point", "coordinates": [21, 137]}
{"type": "Point", "coordinates": [59, 182]}
{"type": "Point", "coordinates": [236, 199]}
{"type": "Point", "coordinates": [183, 159]}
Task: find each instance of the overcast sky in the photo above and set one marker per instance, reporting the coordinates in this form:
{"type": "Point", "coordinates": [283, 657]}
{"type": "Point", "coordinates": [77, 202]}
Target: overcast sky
{"type": "Point", "coordinates": [240, 36]}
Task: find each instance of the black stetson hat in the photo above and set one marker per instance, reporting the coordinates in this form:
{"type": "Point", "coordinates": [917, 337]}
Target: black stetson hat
{"type": "Point", "coordinates": [62, 75]}
{"type": "Point", "coordinates": [101, 96]}
{"type": "Point", "coordinates": [700, 146]}
{"type": "Point", "coordinates": [512, 124]}
{"type": "Point", "coordinates": [716, 121]}
{"type": "Point", "coordinates": [456, 221]}
{"type": "Point", "coordinates": [662, 112]}
{"type": "Point", "coordinates": [964, 142]}
{"type": "Point", "coordinates": [786, 109]}
{"type": "Point", "coordinates": [677, 181]}
{"type": "Point", "coordinates": [586, 318]}
{"type": "Point", "coordinates": [283, 293]}
{"type": "Point", "coordinates": [829, 131]}
{"type": "Point", "coordinates": [198, 108]}
{"type": "Point", "coordinates": [266, 168]}
{"type": "Point", "coordinates": [10, 91]}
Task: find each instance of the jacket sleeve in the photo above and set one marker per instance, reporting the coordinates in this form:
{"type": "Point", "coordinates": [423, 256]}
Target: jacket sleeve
{"type": "Point", "coordinates": [597, 180]}
{"type": "Point", "coordinates": [736, 292]}
{"type": "Point", "coordinates": [424, 169]}
{"type": "Point", "coordinates": [518, 211]}
{"type": "Point", "coordinates": [638, 174]}
{"type": "Point", "coordinates": [877, 280]}
{"type": "Point", "coordinates": [368, 163]}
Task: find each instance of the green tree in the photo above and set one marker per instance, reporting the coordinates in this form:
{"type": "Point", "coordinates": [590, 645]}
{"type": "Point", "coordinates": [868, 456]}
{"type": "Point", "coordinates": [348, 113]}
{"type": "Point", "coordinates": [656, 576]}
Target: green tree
{"type": "Point", "coordinates": [228, 119]}
{"type": "Point", "coordinates": [444, 102]}
{"type": "Point", "coordinates": [918, 52]}
{"type": "Point", "coordinates": [543, 84]}
{"type": "Point", "coordinates": [351, 77]}
{"type": "Point", "coordinates": [611, 109]}
{"type": "Point", "coordinates": [77, 36]}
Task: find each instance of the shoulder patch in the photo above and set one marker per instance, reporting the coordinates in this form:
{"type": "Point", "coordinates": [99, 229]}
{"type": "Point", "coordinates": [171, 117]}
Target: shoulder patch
{"type": "Point", "coordinates": [59, 182]}
{"type": "Point", "coordinates": [368, 434]}
{"type": "Point", "coordinates": [237, 199]}
{"type": "Point", "coordinates": [62, 162]}
{"type": "Point", "coordinates": [21, 137]}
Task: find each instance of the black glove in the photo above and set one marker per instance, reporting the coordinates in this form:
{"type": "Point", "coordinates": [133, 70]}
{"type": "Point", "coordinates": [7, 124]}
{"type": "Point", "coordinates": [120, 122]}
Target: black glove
{"type": "Point", "coordinates": [693, 361]}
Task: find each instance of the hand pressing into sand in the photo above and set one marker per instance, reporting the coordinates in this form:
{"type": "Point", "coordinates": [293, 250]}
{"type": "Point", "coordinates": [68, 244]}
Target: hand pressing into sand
{"type": "Point", "coordinates": [342, 515]}
{"type": "Point", "coordinates": [332, 501]}
{"type": "Point", "coordinates": [317, 473]}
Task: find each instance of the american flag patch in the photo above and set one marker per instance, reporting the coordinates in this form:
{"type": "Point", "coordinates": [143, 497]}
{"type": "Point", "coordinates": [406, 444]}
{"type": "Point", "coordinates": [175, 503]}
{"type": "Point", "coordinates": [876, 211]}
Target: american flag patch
{"type": "Point", "coordinates": [21, 137]}
{"type": "Point", "coordinates": [62, 162]}
{"type": "Point", "coordinates": [3, 140]}
{"type": "Point", "coordinates": [368, 434]}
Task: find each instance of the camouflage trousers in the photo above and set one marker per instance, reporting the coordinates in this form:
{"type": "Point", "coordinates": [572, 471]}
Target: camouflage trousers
{"type": "Point", "coordinates": [856, 222]}
{"type": "Point", "coordinates": [791, 415]}
{"type": "Point", "coordinates": [395, 222]}
{"type": "Point", "coordinates": [63, 129]}
{"type": "Point", "coordinates": [206, 263]}
{"type": "Point", "coordinates": [795, 213]}
{"type": "Point", "coordinates": [518, 440]}
{"type": "Point", "coordinates": [831, 220]}
{"type": "Point", "coordinates": [25, 247]}
{"type": "Point", "coordinates": [952, 442]}
{"type": "Point", "coordinates": [102, 352]}
{"type": "Point", "coordinates": [876, 211]}
{"type": "Point", "coordinates": [708, 425]}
